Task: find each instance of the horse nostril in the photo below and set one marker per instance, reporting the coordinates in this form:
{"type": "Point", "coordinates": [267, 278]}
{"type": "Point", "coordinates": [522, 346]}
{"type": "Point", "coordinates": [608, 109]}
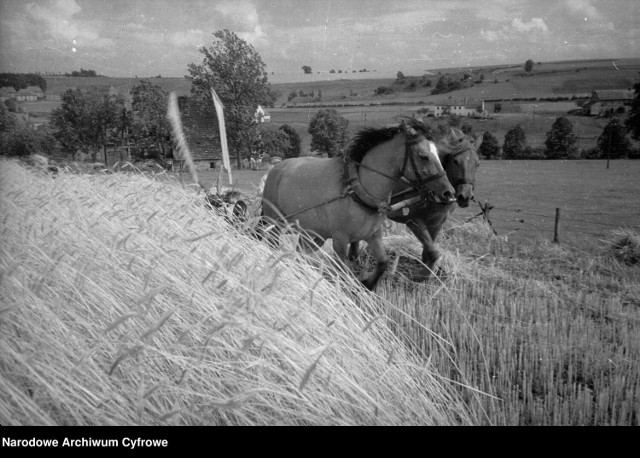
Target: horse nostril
{"type": "Point", "coordinates": [448, 195]}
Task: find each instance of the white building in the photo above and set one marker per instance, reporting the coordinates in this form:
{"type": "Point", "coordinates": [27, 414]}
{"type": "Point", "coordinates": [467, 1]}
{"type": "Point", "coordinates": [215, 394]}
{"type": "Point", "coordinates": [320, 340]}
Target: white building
{"type": "Point", "coordinates": [262, 115]}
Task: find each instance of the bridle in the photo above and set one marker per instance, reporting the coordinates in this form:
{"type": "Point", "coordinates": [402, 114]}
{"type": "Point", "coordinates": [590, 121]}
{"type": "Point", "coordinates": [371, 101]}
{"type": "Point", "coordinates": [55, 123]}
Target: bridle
{"type": "Point", "coordinates": [456, 181]}
{"type": "Point", "coordinates": [409, 159]}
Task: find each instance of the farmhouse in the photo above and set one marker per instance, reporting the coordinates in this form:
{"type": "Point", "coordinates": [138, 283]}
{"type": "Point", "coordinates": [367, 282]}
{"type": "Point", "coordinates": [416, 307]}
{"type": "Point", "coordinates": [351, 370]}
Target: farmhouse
{"type": "Point", "coordinates": [465, 109]}
{"type": "Point", "coordinates": [31, 93]}
{"type": "Point", "coordinates": [603, 101]}
{"type": "Point", "coordinates": [262, 115]}
{"type": "Point", "coordinates": [55, 94]}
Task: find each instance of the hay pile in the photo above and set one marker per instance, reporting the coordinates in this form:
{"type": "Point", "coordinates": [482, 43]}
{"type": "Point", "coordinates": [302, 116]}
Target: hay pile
{"type": "Point", "coordinates": [125, 301]}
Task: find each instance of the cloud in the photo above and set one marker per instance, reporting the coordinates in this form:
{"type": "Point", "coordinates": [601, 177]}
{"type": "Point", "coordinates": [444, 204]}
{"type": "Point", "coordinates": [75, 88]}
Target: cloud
{"type": "Point", "coordinates": [585, 8]}
{"type": "Point", "coordinates": [241, 12]}
{"type": "Point", "coordinates": [491, 35]}
{"type": "Point", "coordinates": [536, 23]}
{"type": "Point", "coordinates": [56, 17]}
{"type": "Point", "coordinates": [189, 39]}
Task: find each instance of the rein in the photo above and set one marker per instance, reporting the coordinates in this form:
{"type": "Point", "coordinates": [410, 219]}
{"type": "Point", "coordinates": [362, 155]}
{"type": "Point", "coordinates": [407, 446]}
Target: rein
{"type": "Point", "coordinates": [417, 185]}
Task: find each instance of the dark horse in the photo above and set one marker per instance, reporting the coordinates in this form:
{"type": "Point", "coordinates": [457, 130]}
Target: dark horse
{"type": "Point", "coordinates": [347, 198]}
{"type": "Point", "coordinates": [459, 156]}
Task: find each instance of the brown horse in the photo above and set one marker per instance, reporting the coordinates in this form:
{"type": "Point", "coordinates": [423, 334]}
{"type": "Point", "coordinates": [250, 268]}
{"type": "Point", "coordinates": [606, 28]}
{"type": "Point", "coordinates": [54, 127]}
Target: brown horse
{"type": "Point", "coordinates": [459, 156]}
{"type": "Point", "coordinates": [346, 198]}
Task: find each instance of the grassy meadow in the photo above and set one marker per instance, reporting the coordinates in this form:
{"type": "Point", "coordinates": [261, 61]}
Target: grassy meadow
{"type": "Point", "coordinates": [125, 301]}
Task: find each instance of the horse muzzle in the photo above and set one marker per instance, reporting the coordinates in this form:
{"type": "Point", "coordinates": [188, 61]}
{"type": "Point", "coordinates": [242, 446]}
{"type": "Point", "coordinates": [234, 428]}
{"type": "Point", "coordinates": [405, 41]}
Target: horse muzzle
{"type": "Point", "coordinates": [464, 194]}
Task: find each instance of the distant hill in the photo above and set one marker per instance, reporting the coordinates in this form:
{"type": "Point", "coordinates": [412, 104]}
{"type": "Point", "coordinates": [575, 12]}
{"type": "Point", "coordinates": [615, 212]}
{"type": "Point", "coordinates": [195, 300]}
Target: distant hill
{"type": "Point", "coordinates": [548, 79]}
{"type": "Point", "coordinates": [506, 82]}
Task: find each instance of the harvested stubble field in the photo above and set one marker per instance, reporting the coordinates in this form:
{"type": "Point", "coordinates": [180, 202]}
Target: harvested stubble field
{"type": "Point", "coordinates": [126, 301]}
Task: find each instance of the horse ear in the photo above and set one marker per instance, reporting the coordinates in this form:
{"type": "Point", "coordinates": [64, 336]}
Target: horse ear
{"type": "Point", "coordinates": [478, 139]}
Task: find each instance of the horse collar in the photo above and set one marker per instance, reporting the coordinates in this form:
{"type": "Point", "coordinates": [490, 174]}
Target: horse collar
{"type": "Point", "coordinates": [354, 187]}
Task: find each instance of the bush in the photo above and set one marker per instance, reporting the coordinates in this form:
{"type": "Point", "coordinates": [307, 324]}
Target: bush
{"type": "Point", "coordinates": [591, 153]}
{"type": "Point", "coordinates": [624, 245]}
{"type": "Point", "coordinates": [383, 90]}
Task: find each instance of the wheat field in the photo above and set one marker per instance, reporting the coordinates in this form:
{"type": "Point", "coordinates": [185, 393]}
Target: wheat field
{"type": "Point", "coordinates": [126, 301]}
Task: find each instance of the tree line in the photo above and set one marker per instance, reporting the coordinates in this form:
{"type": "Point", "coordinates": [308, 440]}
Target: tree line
{"type": "Point", "coordinates": [22, 80]}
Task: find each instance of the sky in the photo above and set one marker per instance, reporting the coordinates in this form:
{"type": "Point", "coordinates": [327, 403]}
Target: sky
{"type": "Point", "coordinates": [162, 37]}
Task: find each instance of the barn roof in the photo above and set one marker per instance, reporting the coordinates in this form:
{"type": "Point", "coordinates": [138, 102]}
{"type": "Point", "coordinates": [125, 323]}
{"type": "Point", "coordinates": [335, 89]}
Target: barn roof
{"type": "Point", "coordinates": [611, 94]}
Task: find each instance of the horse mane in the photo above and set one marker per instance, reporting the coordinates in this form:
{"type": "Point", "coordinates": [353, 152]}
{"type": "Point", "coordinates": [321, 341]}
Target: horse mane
{"type": "Point", "coordinates": [370, 137]}
{"type": "Point", "coordinates": [454, 141]}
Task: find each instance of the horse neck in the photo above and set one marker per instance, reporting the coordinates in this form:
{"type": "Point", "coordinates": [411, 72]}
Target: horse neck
{"type": "Point", "coordinates": [387, 159]}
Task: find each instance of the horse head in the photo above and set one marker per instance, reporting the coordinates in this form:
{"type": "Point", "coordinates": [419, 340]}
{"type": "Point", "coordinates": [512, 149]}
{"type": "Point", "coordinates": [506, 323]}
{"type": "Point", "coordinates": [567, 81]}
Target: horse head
{"type": "Point", "coordinates": [422, 166]}
{"type": "Point", "coordinates": [459, 154]}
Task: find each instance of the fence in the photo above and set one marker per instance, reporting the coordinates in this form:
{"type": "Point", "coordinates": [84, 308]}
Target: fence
{"type": "Point", "coordinates": [558, 225]}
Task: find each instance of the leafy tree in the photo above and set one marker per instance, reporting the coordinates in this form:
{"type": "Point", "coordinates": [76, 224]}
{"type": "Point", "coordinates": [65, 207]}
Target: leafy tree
{"type": "Point", "coordinates": [235, 70]}
{"type": "Point", "coordinates": [306, 69]}
{"type": "Point", "coordinates": [294, 141]}
{"type": "Point", "coordinates": [85, 121]}
{"type": "Point", "coordinates": [515, 142]}
{"type": "Point", "coordinates": [149, 110]}
{"type": "Point", "coordinates": [561, 141]}
{"type": "Point", "coordinates": [633, 118]}
{"type": "Point", "coordinates": [400, 78]}
{"type": "Point", "coordinates": [490, 148]}
{"type": "Point", "coordinates": [329, 132]}
{"type": "Point", "coordinates": [11, 105]}
{"type": "Point", "coordinates": [18, 138]}
{"type": "Point", "coordinates": [614, 140]}
{"type": "Point", "coordinates": [528, 66]}
{"type": "Point", "coordinates": [271, 142]}
{"type": "Point", "coordinates": [22, 80]}
{"type": "Point", "coordinates": [382, 90]}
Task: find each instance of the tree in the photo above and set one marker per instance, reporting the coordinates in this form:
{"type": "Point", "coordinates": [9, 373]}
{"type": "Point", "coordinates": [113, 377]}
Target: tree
{"type": "Point", "coordinates": [294, 141]}
{"type": "Point", "coordinates": [11, 105]}
{"type": "Point", "coordinates": [235, 70]}
{"type": "Point", "coordinates": [329, 132]}
{"type": "Point", "coordinates": [515, 142]}
{"type": "Point", "coordinates": [149, 110]}
{"type": "Point", "coordinates": [561, 141]}
{"type": "Point", "coordinates": [306, 69]}
{"type": "Point", "coordinates": [633, 118]}
{"type": "Point", "coordinates": [400, 78]}
{"type": "Point", "coordinates": [614, 140]}
{"type": "Point", "coordinates": [528, 66]}
{"type": "Point", "coordinates": [84, 121]}
{"type": "Point", "coordinates": [19, 138]}
{"type": "Point", "coordinates": [22, 80]}
{"type": "Point", "coordinates": [271, 142]}
{"type": "Point", "coordinates": [490, 148]}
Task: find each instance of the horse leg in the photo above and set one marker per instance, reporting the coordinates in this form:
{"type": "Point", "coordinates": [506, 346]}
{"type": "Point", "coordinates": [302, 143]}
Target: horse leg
{"type": "Point", "coordinates": [354, 251]}
{"type": "Point", "coordinates": [430, 253]}
{"type": "Point", "coordinates": [382, 259]}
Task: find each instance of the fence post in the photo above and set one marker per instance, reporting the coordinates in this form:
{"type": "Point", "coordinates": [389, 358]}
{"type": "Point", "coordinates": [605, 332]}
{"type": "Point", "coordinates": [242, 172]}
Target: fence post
{"type": "Point", "coordinates": [555, 229]}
